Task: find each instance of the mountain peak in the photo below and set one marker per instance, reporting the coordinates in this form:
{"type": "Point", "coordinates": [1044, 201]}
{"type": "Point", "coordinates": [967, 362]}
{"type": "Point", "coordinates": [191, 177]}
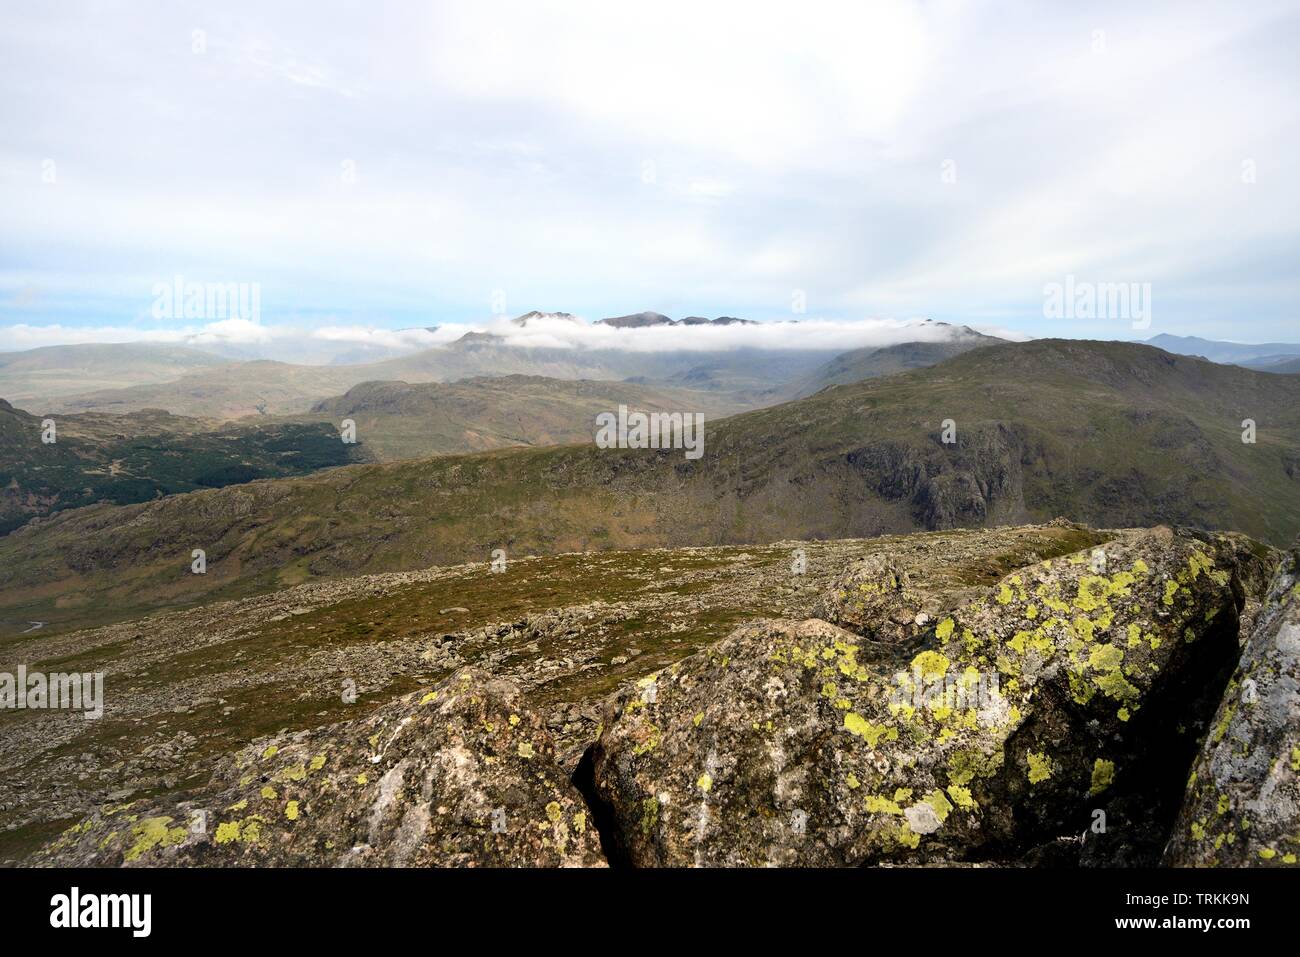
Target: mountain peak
{"type": "Point", "coordinates": [637, 320]}
{"type": "Point", "coordinates": [641, 320]}
{"type": "Point", "coordinates": [536, 315]}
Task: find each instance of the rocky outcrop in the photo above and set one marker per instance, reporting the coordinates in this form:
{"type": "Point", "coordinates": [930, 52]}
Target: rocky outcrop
{"type": "Point", "coordinates": [461, 775]}
{"type": "Point", "coordinates": [1243, 796]}
{"type": "Point", "coordinates": [1029, 713]}
{"type": "Point", "coordinates": [874, 598]}
{"type": "Point", "coordinates": [957, 698]}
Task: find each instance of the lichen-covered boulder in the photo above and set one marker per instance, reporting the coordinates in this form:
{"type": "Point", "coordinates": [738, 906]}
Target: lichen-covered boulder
{"type": "Point", "coordinates": [1243, 798]}
{"type": "Point", "coordinates": [461, 775]}
{"type": "Point", "coordinates": [874, 598]}
{"type": "Point", "coordinates": [1027, 710]}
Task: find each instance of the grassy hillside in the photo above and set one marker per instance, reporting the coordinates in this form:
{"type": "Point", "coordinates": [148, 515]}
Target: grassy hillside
{"type": "Point", "coordinates": [1112, 434]}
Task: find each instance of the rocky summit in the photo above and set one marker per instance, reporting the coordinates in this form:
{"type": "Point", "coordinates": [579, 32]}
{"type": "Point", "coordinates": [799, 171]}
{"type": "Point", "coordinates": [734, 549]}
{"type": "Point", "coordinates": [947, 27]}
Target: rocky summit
{"type": "Point", "coordinates": [1029, 696]}
{"type": "Point", "coordinates": [805, 743]}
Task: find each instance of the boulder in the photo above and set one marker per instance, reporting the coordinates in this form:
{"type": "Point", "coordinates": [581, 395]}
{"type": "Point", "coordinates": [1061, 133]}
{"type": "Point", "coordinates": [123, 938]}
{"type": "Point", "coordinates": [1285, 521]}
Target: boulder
{"type": "Point", "coordinates": [461, 775]}
{"type": "Point", "coordinates": [1242, 806]}
{"type": "Point", "coordinates": [873, 597]}
{"type": "Point", "coordinates": [1024, 715]}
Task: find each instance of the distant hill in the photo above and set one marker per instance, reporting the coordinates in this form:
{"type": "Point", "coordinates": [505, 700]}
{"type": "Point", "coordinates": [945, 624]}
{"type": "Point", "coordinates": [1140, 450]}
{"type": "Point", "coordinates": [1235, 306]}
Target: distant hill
{"type": "Point", "coordinates": [858, 364]}
{"type": "Point", "coordinates": [138, 457]}
{"type": "Point", "coordinates": [398, 420]}
{"type": "Point", "coordinates": [1113, 434]}
{"type": "Point", "coordinates": [1284, 365]}
{"type": "Point", "coordinates": [34, 376]}
{"type": "Point", "coordinates": [228, 391]}
{"type": "Point", "coordinates": [1237, 353]}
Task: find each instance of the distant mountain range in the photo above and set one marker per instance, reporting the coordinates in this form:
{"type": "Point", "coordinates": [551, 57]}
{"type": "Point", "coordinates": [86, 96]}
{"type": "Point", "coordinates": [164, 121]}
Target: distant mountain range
{"type": "Point", "coordinates": [1113, 434]}
{"type": "Point", "coordinates": [1282, 365]}
{"type": "Point", "coordinates": [218, 424]}
{"type": "Point", "coordinates": [73, 379]}
{"type": "Point", "coordinates": [1266, 356]}
{"type": "Point", "coordinates": [219, 382]}
{"type": "Point", "coordinates": [641, 320]}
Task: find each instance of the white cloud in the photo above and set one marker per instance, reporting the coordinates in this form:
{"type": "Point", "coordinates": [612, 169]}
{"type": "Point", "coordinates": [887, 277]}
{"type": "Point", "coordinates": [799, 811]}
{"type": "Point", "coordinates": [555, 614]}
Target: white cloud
{"type": "Point", "coordinates": [228, 332]}
{"type": "Point", "coordinates": [238, 331]}
{"type": "Point", "coordinates": [809, 334]}
{"type": "Point", "coordinates": [326, 343]}
{"type": "Point", "coordinates": [389, 338]}
{"type": "Point", "coordinates": [687, 157]}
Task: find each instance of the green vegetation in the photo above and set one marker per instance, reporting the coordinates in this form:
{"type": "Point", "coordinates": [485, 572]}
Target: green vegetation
{"type": "Point", "coordinates": [122, 459]}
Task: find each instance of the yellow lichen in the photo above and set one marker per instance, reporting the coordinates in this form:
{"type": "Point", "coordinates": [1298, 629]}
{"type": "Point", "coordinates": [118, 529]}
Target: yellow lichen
{"type": "Point", "coordinates": [939, 801]}
{"type": "Point", "coordinates": [930, 664]}
{"type": "Point", "coordinates": [860, 726]}
{"type": "Point", "coordinates": [1040, 767]}
{"type": "Point", "coordinates": [1103, 774]}
{"type": "Point", "coordinates": [961, 797]}
{"type": "Point", "coordinates": [153, 832]}
{"type": "Point", "coordinates": [878, 804]}
{"type": "Point", "coordinates": [227, 832]}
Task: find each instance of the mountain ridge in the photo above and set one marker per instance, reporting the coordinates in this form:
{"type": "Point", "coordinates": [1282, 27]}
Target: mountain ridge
{"type": "Point", "coordinates": [1216, 350]}
{"type": "Point", "coordinates": [1114, 434]}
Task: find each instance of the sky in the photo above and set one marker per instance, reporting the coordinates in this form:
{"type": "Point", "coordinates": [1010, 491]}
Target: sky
{"type": "Point", "coordinates": [366, 168]}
